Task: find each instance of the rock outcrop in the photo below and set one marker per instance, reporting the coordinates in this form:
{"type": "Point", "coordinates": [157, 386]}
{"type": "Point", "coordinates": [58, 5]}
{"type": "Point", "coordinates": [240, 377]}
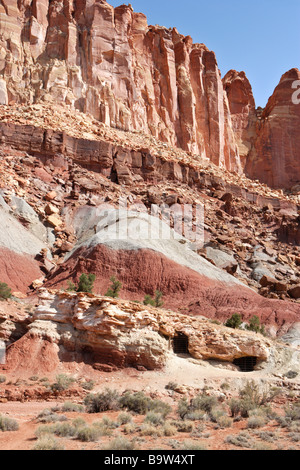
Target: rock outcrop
{"type": "Point", "coordinates": [109, 63]}
{"type": "Point", "coordinates": [98, 330]}
{"type": "Point", "coordinates": [146, 255]}
{"type": "Point", "coordinates": [274, 158]}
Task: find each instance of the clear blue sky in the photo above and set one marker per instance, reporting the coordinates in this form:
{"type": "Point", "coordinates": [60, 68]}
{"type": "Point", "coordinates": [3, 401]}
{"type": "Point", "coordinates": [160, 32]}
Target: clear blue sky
{"type": "Point", "coordinates": [261, 37]}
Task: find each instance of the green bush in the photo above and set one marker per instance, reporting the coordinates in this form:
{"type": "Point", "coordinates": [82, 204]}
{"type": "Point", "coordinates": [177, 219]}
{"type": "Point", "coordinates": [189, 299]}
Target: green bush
{"type": "Point", "coordinates": [136, 402]}
{"type": "Point", "coordinates": [254, 325]}
{"type": "Point", "coordinates": [156, 302]}
{"type": "Point", "coordinates": [5, 291]}
{"type": "Point", "coordinates": [124, 418]}
{"type": "Point", "coordinates": [114, 289]}
{"type": "Point", "coordinates": [103, 401]}
{"type": "Point", "coordinates": [86, 283]}
{"type": "Point", "coordinates": [201, 402]}
{"type": "Point", "coordinates": [63, 382]}
{"type": "Point", "coordinates": [234, 322]}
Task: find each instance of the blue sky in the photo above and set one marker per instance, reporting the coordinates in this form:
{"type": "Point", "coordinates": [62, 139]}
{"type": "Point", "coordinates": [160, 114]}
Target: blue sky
{"type": "Point", "coordinates": [261, 37]}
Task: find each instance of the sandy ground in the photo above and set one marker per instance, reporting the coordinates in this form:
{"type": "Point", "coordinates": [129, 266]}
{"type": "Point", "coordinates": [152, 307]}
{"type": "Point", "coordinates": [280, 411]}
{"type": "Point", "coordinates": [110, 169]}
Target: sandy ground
{"type": "Point", "coordinates": [183, 371]}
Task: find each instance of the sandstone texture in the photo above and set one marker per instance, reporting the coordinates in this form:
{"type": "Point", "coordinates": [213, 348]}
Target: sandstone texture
{"type": "Point", "coordinates": [109, 64]}
{"type": "Point", "coordinates": [274, 159]}
{"type": "Point", "coordinates": [99, 330]}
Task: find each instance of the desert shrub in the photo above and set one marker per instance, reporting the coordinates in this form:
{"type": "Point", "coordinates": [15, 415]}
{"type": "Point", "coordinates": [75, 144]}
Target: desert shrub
{"type": "Point", "coordinates": [69, 407]}
{"type": "Point", "coordinates": [171, 386]}
{"type": "Point", "coordinates": [86, 283]}
{"type": "Point", "coordinates": [294, 436]}
{"type": "Point", "coordinates": [255, 422]}
{"type": "Point", "coordinates": [129, 428]}
{"type": "Point", "coordinates": [224, 422]}
{"type": "Point", "coordinates": [169, 430]}
{"type": "Point", "coordinates": [121, 443]}
{"type": "Point", "coordinates": [254, 325]}
{"type": "Point", "coordinates": [124, 418]}
{"type": "Point", "coordinates": [88, 434]}
{"type": "Point", "coordinates": [148, 429]}
{"type": "Point", "coordinates": [52, 418]}
{"type": "Point", "coordinates": [8, 424]}
{"type": "Point", "coordinates": [114, 289]}
{"type": "Point", "coordinates": [251, 399]}
{"type": "Point", "coordinates": [105, 427]}
{"type": "Point", "coordinates": [183, 426]}
{"type": "Point", "coordinates": [139, 403]}
{"type": "Point", "coordinates": [160, 406]}
{"type": "Point", "coordinates": [291, 374]}
{"type": "Point", "coordinates": [136, 402]}
{"type": "Point", "coordinates": [154, 418]}
{"type": "Point", "coordinates": [5, 291]}
{"type": "Point", "coordinates": [34, 378]}
{"type": "Point", "coordinates": [204, 403]}
{"type": "Point", "coordinates": [48, 443]}
{"type": "Point", "coordinates": [64, 430]}
{"type": "Point", "coordinates": [234, 321]}
{"type": "Point", "coordinates": [44, 430]}
{"type": "Point", "coordinates": [156, 301]}
{"type": "Point", "coordinates": [103, 401]}
{"type": "Point", "coordinates": [2, 379]}
{"type": "Point", "coordinates": [201, 403]}
{"type": "Point", "coordinates": [293, 412]}
{"type": "Point", "coordinates": [216, 413]}
{"type": "Point", "coordinates": [197, 415]}
{"type": "Point", "coordinates": [88, 385]}
{"type": "Point", "coordinates": [78, 423]}
{"type": "Point", "coordinates": [71, 286]}
{"type": "Point", "coordinates": [63, 382]}
{"type": "Point", "coordinates": [240, 440]}
{"type": "Point", "coordinates": [190, 445]}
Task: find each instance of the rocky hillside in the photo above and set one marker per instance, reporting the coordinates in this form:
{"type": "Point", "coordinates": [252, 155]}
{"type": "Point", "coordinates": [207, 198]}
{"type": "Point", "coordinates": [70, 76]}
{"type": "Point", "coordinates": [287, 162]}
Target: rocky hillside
{"type": "Point", "coordinates": [108, 62]}
{"type": "Point", "coordinates": [98, 106]}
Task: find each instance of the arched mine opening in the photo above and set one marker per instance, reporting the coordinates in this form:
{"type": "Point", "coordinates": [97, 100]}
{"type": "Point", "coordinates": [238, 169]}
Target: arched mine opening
{"type": "Point", "coordinates": [246, 364]}
{"type": "Point", "coordinates": [181, 344]}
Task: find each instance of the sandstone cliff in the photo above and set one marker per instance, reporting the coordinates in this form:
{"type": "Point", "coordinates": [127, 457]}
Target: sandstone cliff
{"type": "Point", "coordinates": [274, 158]}
{"type": "Point", "coordinates": [109, 63]}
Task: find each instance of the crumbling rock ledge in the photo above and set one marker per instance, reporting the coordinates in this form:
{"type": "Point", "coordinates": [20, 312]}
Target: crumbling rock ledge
{"type": "Point", "coordinates": [100, 330]}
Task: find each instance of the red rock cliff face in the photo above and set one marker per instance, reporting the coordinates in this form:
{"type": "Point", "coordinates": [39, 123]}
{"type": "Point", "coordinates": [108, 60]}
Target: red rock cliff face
{"type": "Point", "coordinates": [109, 63]}
{"type": "Point", "coordinates": [275, 157]}
{"type": "Point", "coordinates": [242, 110]}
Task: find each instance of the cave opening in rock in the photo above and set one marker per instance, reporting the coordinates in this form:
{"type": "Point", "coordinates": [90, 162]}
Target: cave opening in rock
{"type": "Point", "coordinates": [181, 344]}
{"type": "Point", "coordinates": [246, 364]}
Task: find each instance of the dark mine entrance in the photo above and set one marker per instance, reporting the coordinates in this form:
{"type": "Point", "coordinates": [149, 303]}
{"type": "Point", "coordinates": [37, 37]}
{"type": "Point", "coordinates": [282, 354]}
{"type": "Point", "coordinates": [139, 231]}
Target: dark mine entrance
{"type": "Point", "coordinates": [246, 364]}
{"type": "Point", "coordinates": [181, 344]}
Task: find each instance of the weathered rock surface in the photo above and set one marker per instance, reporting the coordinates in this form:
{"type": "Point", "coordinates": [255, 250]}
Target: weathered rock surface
{"type": "Point", "coordinates": [122, 247]}
{"type": "Point", "coordinates": [274, 159]}
{"type": "Point", "coordinates": [108, 62]}
{"type": "Point", "coordinates": [95, 329]}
